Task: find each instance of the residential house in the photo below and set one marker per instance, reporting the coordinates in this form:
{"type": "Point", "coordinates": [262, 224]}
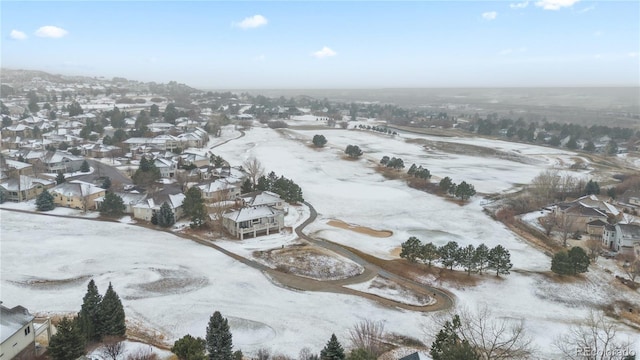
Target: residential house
{"type": "Point", "coordinates": [253, 221]}
{"type": "Point", "coordinates": [77, 194]}
{"type": "Point", "coordinates": [194, 159]}
{"type": "Point", "coordinates": [58, 161]}
{"type": "Point", "coordinates": [167, 167]}
{"type": "Point", "coordinates": [27, 188]}
{"type": "Point", "coordinates": [630, 199]}
{"type": "Point", "coordinates": [595, 229]}
{"type": "Point", "coordinates": [17, 335]}
{"type": "Point", "coordinates": [626, 236]}
{"type": "Point", "coordinates": [264, 198]}
{"type": "Point", "coordinates": [145, 209]}
{"type": "Point", "coordinates": [578, 215]}
{"type": "Point", "coordinates": [609, 236]}
{"type": "Point", "coordinates": [130, 199]}
{"type": "Point", "coordinates": [219, 190]}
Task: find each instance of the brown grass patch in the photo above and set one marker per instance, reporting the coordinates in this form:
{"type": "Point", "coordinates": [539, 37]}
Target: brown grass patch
{"type": "Point", "coordinates": [360, 229]}
{"type": "Point", "coordinates": [417, 272]}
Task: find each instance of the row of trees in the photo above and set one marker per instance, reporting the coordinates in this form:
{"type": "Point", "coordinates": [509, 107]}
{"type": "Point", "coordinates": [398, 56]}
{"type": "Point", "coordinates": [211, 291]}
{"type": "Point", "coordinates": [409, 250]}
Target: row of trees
{"type": "Point", "coordinates": [572, 262]}
{"type": "Point", "coordinates": [288, 190]}
{"type": "Point", "coordinates": [380, 129]}
{"type": "Point", "coordinates": [463, 190]}
{"type": "Point", "coordinates": [393, 163]}
{"type": "Point", "coordinates": [99, 317]}
{"type": "Point", "coordinates": [419, 172]}
{"type": "Point", "coordinates": [451, 255]}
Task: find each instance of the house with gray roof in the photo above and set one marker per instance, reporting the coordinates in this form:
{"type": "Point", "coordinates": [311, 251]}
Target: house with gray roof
{"type": "Point", "coordinates": [17, 334]}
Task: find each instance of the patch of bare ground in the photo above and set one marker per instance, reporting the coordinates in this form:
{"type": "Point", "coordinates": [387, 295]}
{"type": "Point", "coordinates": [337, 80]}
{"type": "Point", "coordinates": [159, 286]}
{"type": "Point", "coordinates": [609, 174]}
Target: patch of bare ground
{"type": "Point", "coordinates": [468, 149]}
{"type": "Point", "coordinates": [140, 333]}
{"type": "Point", "coordinates": [360, 229]}
{"type": "Point", "coordinates": [52, 284]}
{"type": "Point", "coordinates": [171, 282]}
{"type": "Point", "coordinates": [419, 272]}
{"type": "Point", "coordinates": [311, 262]}
{"type": "Point", "coordinates": [626, 312]}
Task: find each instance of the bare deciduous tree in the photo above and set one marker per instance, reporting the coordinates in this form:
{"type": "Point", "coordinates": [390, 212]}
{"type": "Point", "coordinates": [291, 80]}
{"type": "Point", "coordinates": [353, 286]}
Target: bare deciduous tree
{"type": "Point", "coordinates": [596, 338]}
{"type": "Point", "coordinates": [491, 336]}
{"type": "Point", "coordinates": [143, 354]}
{"type": "Point", "coordinates": [594, 246]}
{"type": "Point", "coordinates": [305, 354]}
{"type": "Point", "coordinates": [631, 266]}
{"type": "Point", "coordinates": [544, 187]}
{"type": "Point", "coordinates": [263, 354]}
{"type": "Point", "coordinates": [218, 206]}
{"type": "Point", "coordinates": [254, 169]}
{"type": "Point", "coordinates": [113, 347]}
{"type": "Point", "coordinates": [565, 225]}
{"type": "Point", "coordinates": [368, 335]}
{"type": "Point", "coordinates": [548, 222]}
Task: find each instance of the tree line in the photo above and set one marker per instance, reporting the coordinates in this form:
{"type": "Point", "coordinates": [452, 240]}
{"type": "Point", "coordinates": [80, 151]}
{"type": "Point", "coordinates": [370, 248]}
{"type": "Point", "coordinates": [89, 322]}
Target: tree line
{"type": "Point", "coordinates": [471, 259]}
{"type": "Point", "coordinates": [287, 189]}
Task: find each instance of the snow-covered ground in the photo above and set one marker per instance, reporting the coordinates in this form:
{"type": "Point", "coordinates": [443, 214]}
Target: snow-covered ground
{"type": "Point", "coordinates": [174, 285]}
{"type": "Point", "coordinates": [58, 210]}
{"type": "Point", "coordinates": [390, 290]}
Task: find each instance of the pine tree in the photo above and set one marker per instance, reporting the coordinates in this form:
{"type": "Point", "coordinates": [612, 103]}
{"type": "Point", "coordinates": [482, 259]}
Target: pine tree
{"type": "Point", "coordinates": [219, 338]}
{"type": "Point", "coordinates": [246, 187]}
{"type": "Point", "coordinates": [44, 202]}
{"type": "Point", "coordinates": [60, 178]}
{"type": "Point", "coordinates": [111, 318]}
{"type": "Point", "coordinates": [429, 253]}
{"type": "Point", "coordinates": [112, 205]}
{"type": "Point", "coordinates": [481, 257]}
{"type": "Point", "coordinates": [68, 343]}
{"type": "Point", "coordinates": [499, 260]}
{"type": "Point", "coordinates": [319, 140]}
{"type": "Point", "coordinates": [560, 264]}
{"type": "Point", "coordinates": [579, 260]}
{"type": "Point", "coordinates": [466, 257]}
{"type": "Point", "coordinates": [448, 254]}
{"type": "Point", "coordinates": [411, 249]}
{"type": "Point", "coordinates": [165, 216]}
{"type": "Point", "coordinates": [333, 350]}
{"type": "Point", "coordinates": [194, 207]}
{"type": "Point", "coordinates": [88, 316]}
{"type": "Point", "coordinates": [85, 167]}
{"type": "Point", "coordinates": [190, 348]}
{"type": "Point", "coordinates": [449, 346]}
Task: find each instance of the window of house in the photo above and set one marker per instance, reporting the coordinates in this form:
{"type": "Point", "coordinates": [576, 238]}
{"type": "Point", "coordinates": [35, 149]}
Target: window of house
{"type": "Point", "coordinates": [255, 221]}
{"type": "Point", "coordinates": [27, 331]}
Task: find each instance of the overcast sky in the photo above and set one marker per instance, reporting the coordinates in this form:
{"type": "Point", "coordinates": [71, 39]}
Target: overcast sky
{"type": "Point", "coordinates": [354, 44]}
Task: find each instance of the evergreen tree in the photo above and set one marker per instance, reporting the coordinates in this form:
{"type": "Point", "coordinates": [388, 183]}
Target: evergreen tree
{"type": "Point", "coordinates": [68, 342]}
{"type": "Point", "coordinates": [165, 215]}
{"type": "Point", "coordinates": [319, 140]}
{"type": "Point", "coordinates": [106, 184]}
{"type": "Point", "coordinates": [147, 173]}
{"type": "Point", "coordinates": [263, 184]}
{"type": "Point", "coordinates": [353, 151]}
{"type": "Point", "coordinates": [412, 169]}
{"type": "Point", "coordinates": [560, 264]}
{"type": "Point", "coordinates": [411, 249]}
{"type": "Point", "coordinates": [154, 111]}
{"type": "Point", "coordinates": [333, 350]}
{"type": "Point", "coordinates": [579, 260]}
{"type": "Point", "coordinates": [465, 256]}
{"type": "Point", "coordinates": [190, 348]}
{"type": "Point", "coordinates": [572, 143]}
{"type": "Point", "coordinates": [85, 166]}
{"type": "Point", "coordinates": [481, 257]}
{"type": "Point", "coordinates": [112, 205]}
{"type": "Point", "coordinates": [592, 187]}
{"type": "Point", "coordinates": [75, 109]}
{"type": "Point", "coordinates": [445, 184]}
{"type": "Point", "coordinates": [111, 318]}
{"type": "Point", "coordinates": [465, 191]}
{"type": "Point", "coordinates": [589, 146]}
{"type": "Point", "coordinates": [611, 148]}
{"type": "Point", "coordinates": [88, 319]}
{"type": "Point", "coordinates": [448, 345]}
{"type": "Point", "coordinates": [193, 207]}
{"type": "Point", "coordinates": [60, 178]}
{"type": "Point", "coordinates": [246, 187]}
{"type": "Point", "coordinates": [44, 201]}
{"type": "Point", "coordinates": [448, 254]}
{"type": "Point", "coordinates": [429, 253]}
{"type": "Point", "coordinates": [499, 260]}
{"type": "Point", "coordinates": [385, 159]}
{"type": "Point", "coordinates": [219, 338]}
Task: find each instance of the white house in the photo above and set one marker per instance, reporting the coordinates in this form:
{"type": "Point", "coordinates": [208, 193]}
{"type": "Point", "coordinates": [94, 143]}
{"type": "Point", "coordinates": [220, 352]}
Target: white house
{"type": "Point", "coordinates": [167, 167]}
{"type": "Point", "coordinates": [17, 334]}
{"type": "Point", "coordinates": [626, 236]}
{"type": "Point", "coordinates": [218, 190]}
{"type": "Point", "coordinates": [253, 220]}
{"type": "Point", "coordinates": [144, 210]}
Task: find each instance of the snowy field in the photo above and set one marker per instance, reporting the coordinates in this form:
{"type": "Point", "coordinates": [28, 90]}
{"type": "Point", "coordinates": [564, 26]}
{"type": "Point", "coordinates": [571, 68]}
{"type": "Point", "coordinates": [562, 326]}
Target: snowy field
{"type": "Point", "coordinates": [173, 285]}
